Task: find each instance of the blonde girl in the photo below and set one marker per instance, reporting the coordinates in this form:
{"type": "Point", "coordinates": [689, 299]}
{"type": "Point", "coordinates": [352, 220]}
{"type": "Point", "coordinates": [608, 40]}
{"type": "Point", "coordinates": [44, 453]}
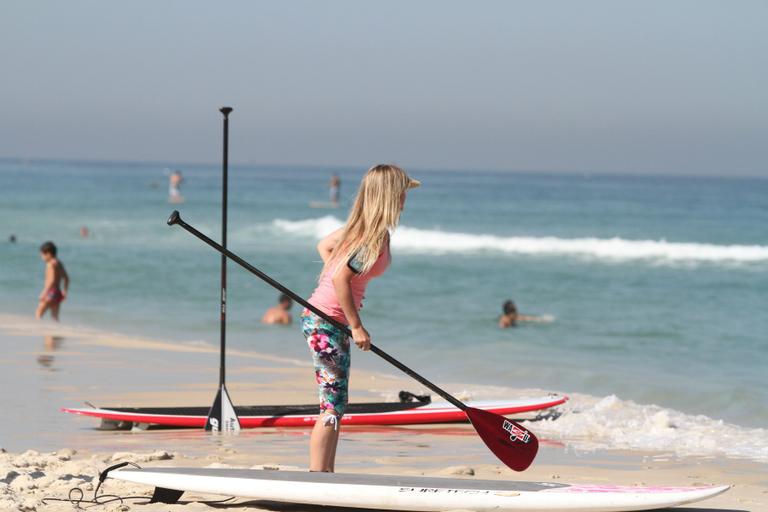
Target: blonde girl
{"type": "Point", "coordinates": [352, 256]}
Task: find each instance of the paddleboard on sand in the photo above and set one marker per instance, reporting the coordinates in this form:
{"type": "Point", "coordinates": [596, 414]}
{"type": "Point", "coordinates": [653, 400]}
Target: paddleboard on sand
{"type": "Point", "coordinates": [408, 492]}
{"type": "Point", "coordinates": [387, 413]}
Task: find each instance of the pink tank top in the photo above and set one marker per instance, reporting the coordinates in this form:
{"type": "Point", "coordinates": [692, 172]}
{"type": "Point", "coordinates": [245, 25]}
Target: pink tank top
{"type": "Point", "coordinates": [324, 297]}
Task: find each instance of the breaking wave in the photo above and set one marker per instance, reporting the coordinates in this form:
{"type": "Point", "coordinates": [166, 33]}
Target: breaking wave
{"type": "Point", "coordinates": [617, 249]}
{"type": "Point", "coordinates": [587, 423]}
{"type": "Point", "coordinates": [590, 423]}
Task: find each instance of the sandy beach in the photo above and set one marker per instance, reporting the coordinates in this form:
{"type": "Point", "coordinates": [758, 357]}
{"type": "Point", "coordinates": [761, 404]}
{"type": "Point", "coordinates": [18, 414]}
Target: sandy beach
{"type": "Point", "coordinates": [553, 212]}
{"type": "Point", "coordinates": [55, 452]}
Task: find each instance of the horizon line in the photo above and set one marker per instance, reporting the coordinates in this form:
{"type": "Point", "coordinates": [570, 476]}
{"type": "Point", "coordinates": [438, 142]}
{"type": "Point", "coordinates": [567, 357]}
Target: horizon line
{"type": "Point", "coordinates": [331, 167]}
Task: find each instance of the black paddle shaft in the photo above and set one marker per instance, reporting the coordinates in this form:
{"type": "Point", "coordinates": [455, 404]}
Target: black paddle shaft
{"type": "Point", "coordinates": [224, 186]}
{"type": "Point", "coordinates": [175, 218]}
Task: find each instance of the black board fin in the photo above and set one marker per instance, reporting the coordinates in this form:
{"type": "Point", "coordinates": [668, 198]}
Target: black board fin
{"type": "Point", "coordinates": [163, 495]}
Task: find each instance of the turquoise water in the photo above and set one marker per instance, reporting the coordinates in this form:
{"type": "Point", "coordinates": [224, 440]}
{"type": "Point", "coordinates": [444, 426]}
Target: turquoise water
{"type": "Point", "coordinates": [657, 285]}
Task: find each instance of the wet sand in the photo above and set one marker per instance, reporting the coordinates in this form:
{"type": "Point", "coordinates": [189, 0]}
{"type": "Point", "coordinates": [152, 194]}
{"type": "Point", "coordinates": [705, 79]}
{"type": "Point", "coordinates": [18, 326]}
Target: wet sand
{"type": "Point", "coordinates": [44, 367]}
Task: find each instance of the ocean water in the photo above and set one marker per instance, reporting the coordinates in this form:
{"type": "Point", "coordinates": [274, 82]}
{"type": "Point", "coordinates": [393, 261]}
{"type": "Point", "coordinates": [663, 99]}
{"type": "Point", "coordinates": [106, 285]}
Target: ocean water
{"type": "Point", "coordinates": [657, 287]}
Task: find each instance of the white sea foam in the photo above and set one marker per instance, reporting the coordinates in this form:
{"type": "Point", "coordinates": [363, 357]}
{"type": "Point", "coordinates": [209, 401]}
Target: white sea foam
{"type": "Point", "coordinates": [316, 228]}
{"type": "Point", "coordinates": [617, 249]}
{"type": "Point", "coordinates": [590, 422]}
{"type": "Point", "coordinates": [587, 423]}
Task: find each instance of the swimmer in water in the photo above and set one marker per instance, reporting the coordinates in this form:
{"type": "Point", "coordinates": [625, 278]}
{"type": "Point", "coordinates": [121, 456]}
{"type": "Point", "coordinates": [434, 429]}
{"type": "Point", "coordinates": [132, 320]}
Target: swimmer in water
{"type": "Point", "coordinates": [53, 293]}
{"type": "Point", "coordinates": [279, 314]}
{"type": "Point", "coordinates": [510, 316]}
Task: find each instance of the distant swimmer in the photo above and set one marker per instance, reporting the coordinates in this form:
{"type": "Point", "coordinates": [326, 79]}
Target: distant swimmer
{"type": "Point", "coordinates": [510, 316]}
{"type": "Point", "coordinates": [12, 238]}
{"type": "Point", "coordinates": [279, 314]}
{"type": "Point", "coordinates": [55, 275]}
{"type": "Point", "coordinates": [334, 189]}
{"type": "Point", "coordinates": [84, 232]}
{"type": "Point", "coordinates": [174, 187]}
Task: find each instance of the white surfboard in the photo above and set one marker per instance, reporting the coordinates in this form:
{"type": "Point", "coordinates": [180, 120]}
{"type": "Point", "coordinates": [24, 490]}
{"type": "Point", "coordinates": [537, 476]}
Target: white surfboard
{"type": "Point", "coordinates": [404, 492]}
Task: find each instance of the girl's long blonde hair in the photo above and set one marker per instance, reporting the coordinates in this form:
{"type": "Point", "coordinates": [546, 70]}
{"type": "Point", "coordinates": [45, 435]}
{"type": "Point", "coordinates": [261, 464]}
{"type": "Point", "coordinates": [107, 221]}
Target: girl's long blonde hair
{"type": "Point", "coordinates": [375, 213]}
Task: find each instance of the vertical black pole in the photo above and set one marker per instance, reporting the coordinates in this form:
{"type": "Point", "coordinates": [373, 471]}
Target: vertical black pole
{"type": "Point", "coordinates": [224, 187]}
{"type": "Point", "coordinates": [222, 416]}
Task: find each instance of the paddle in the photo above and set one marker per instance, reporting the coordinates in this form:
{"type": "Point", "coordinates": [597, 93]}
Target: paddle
{"type": "Point", "coordinates": [512, 443]}
{"type": "Point", "coordinates": [222, 416]}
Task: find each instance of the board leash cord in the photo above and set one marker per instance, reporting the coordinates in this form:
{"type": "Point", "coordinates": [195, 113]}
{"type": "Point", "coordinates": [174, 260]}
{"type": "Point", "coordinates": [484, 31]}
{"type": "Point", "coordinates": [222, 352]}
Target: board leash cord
{"type": "Point", "coordinates": [76, 496]}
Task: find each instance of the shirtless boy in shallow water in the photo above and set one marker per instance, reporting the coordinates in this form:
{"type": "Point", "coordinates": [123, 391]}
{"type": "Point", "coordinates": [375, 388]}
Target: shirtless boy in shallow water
{"type": "Point", "coordinates": [53, 292]}
{"type": "Point", "coordinates": [279, 314]}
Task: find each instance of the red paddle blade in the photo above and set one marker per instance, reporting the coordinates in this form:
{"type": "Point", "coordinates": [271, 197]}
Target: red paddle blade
{"type": "Point", "coordinates": [514, 445]}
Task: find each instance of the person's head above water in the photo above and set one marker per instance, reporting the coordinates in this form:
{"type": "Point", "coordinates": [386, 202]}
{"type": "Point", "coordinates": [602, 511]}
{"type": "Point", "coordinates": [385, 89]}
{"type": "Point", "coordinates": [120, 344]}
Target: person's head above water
{"type": "Point", "coordinates": [285, 301]}
{"type": "Point", "coordinates": [376, 211]}
{"type": "Point", "coordinates": [509, 308]}
{"type": "Point", "coordinates": [48, 251]}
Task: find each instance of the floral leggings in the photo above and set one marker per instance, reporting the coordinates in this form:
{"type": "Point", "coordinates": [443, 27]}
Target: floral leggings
{"type": "Point", "coordinates": [330, 353]}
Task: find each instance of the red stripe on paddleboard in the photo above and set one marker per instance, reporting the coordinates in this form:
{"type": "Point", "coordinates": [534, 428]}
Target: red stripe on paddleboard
{"type": "Point", "coordinates": [421, 415]}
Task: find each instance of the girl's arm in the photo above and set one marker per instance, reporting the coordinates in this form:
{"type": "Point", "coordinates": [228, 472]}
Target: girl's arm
{"type": "Point", "coordinates": [341, 283]}
{"type": "Point", "coordinates": [326, 245]}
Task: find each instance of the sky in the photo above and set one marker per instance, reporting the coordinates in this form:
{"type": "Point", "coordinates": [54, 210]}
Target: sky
{"type": "Point", "coordinates": [657, 87]}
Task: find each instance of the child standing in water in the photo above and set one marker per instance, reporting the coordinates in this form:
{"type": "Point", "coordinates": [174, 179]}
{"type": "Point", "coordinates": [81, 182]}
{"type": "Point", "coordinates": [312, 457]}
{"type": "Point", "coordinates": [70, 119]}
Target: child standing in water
{"type": "Point", "coordinates": [352, 256]}
{"type": "Point", "coordinates": [334, 189]}
{"type": "Point", "coordinates": [53, 293]}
